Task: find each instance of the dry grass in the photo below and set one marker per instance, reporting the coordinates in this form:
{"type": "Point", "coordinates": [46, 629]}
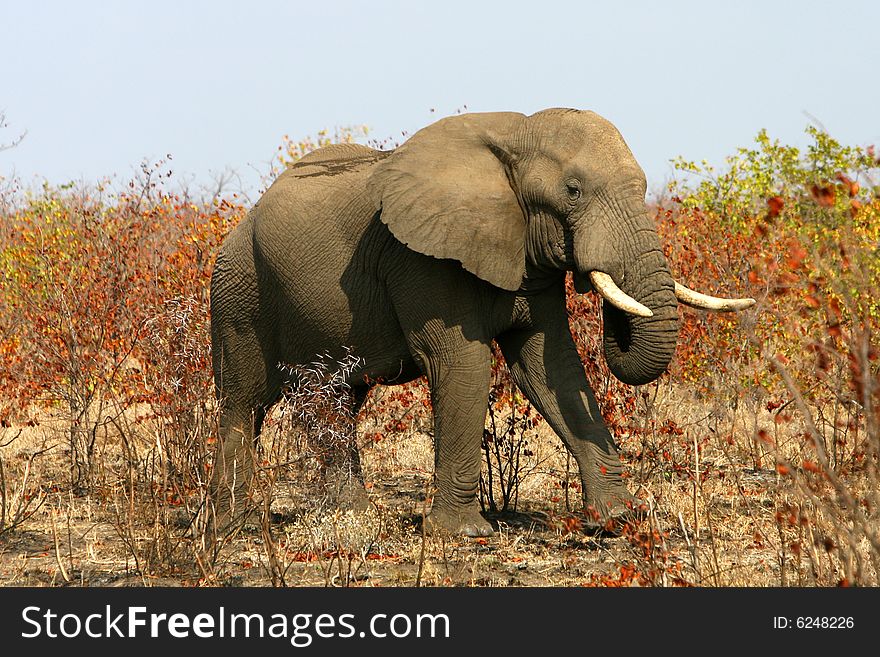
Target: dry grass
{"type": "Point", "coordinates": [720, 513]}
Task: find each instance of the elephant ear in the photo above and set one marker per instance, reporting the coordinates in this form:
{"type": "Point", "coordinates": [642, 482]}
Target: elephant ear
{"type": "Point", "coordinates": [446, 192]}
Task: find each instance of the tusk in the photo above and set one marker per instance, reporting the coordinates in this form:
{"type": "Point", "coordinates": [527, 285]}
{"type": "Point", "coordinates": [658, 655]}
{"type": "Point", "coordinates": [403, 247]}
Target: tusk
{"type": "Point", "coordinates": [697, 300]}
{"type": "Point", "coordinates": [605, 286]}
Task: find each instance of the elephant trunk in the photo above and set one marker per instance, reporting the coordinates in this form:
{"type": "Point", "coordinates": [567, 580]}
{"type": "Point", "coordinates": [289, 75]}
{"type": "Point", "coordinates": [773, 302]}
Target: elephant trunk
{"type": "Point", "coordinates": [638, 345]}
{"type": "Point", "coordinates": [639, 349]}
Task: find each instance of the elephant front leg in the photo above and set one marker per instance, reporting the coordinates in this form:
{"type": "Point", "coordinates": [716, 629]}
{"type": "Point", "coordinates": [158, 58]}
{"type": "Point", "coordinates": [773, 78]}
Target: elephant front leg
{"type": "Point", "coordinates": [545, 365]}
{"type": "Point", "coordinates": [459, 382]}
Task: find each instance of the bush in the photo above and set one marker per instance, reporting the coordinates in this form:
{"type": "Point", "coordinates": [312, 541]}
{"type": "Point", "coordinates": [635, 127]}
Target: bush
{"type": "Point", "coordinates": [84, 274]}
{"type": "Point", "coordinates": [799, 231]}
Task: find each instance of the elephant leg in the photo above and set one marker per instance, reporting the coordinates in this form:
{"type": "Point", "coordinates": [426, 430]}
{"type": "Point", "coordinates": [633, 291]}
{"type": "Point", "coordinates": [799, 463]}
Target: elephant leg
{"type": "Point", "coordinates": [247, 388]}
{"type": "Point", "coordinates": [544, 363]}
{"type": "Point", "coordinates": [233, 472]}
{"type": "Point", "coordinates": [459, 382]}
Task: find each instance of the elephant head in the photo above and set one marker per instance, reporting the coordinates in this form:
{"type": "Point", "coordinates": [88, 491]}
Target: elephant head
{"type": "Point", "coordinates": [516, 199]}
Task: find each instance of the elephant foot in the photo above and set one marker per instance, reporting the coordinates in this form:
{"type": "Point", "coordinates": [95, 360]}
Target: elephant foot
{"type": "Point", "coordinates": [457, 522]}
{"type": "Point", "coordinates": [612, 513]}
{"type": "Point", "coordinates": [224, 523]}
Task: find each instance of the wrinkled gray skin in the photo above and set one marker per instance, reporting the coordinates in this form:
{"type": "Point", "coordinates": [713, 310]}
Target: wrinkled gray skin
{"type": "Point", "coordinates": [417, 259]}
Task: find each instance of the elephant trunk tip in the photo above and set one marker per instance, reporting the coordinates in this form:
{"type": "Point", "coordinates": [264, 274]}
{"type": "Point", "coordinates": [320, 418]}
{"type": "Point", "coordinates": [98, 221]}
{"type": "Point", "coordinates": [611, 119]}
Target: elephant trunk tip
{"type": "Point", "coordinates": [638, 350]}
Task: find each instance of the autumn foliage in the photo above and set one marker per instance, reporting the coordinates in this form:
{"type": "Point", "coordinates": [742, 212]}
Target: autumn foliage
{"type": "Point", "coordinates": [800, 233]}
{"type": "Point", "coordinates": [91, 279]}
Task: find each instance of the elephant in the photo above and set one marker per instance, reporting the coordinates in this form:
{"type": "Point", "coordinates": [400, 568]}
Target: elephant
{"type": "Point", "coordinates": [416, 259]}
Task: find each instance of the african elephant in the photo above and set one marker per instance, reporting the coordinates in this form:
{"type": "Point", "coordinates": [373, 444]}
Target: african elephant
{"type": "Point", "coordinates": [416, 259]}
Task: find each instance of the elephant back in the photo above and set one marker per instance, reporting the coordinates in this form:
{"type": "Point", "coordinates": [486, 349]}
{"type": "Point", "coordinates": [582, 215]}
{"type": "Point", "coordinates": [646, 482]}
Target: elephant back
{"type": "Point", "coordinates": [317, 211]}
{"type": "Point", "coordinates": [335, 159]}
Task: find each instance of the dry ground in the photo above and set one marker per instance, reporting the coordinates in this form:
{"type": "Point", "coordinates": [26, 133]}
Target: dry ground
{"type": "Point", "coordinates": [716, 519]}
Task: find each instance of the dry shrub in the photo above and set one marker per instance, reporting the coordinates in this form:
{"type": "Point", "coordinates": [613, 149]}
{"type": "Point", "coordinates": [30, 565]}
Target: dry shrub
{"type": "Point", "coordinates": [309, 457]}
{"type": "Point", "coordinates": [790, 388]}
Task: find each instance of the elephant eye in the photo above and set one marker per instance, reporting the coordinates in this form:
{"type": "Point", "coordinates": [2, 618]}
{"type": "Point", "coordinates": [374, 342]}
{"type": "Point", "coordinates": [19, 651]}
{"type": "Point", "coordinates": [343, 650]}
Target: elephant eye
{"type": "Point", "coordinates": [574, 190]}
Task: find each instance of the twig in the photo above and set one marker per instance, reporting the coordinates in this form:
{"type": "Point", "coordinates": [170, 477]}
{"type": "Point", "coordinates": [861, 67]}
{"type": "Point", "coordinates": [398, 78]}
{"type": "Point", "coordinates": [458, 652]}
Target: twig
{"type": "Point", "coordinates": [12, 440]}
{"type": "Point", "coordinates": [692, 548]}
{"type": "Point", "coordinates": [567, 477]}
{"type": "Point", "coordinates": [424, 536]}
{"type": "Point", "coordinates": [70, 541]}
{"type": "Point", "coordinates": [57, 548]}
{"type": "Point", "coordinates": [696, 488]}
{"type": "Point", "coordinates": [2, 497]}
{"type": "Point", "coordinates": [716, 569]}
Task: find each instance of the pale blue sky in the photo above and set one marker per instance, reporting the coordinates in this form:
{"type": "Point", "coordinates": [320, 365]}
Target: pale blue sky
{"type": "Point", "coordinates": [100, 85]}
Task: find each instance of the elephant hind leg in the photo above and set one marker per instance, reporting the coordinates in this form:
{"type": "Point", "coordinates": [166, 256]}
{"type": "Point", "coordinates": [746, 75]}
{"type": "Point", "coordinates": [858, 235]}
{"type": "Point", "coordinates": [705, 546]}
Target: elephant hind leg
{"type": "Point", "coordinates": [233, 472]}
{"type": "Point", "coordinates": [247, 387]}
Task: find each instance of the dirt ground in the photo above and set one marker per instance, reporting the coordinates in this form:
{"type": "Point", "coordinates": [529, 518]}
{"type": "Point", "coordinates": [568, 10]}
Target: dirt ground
{"type": "Point", "coordinates": [720, 528]}
{"type": "Point", "coordinates": [82, 546]}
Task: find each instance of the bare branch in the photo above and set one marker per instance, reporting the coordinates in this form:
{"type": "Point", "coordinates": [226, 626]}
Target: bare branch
{"type": "Point", "coordinates": [15, 142]}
